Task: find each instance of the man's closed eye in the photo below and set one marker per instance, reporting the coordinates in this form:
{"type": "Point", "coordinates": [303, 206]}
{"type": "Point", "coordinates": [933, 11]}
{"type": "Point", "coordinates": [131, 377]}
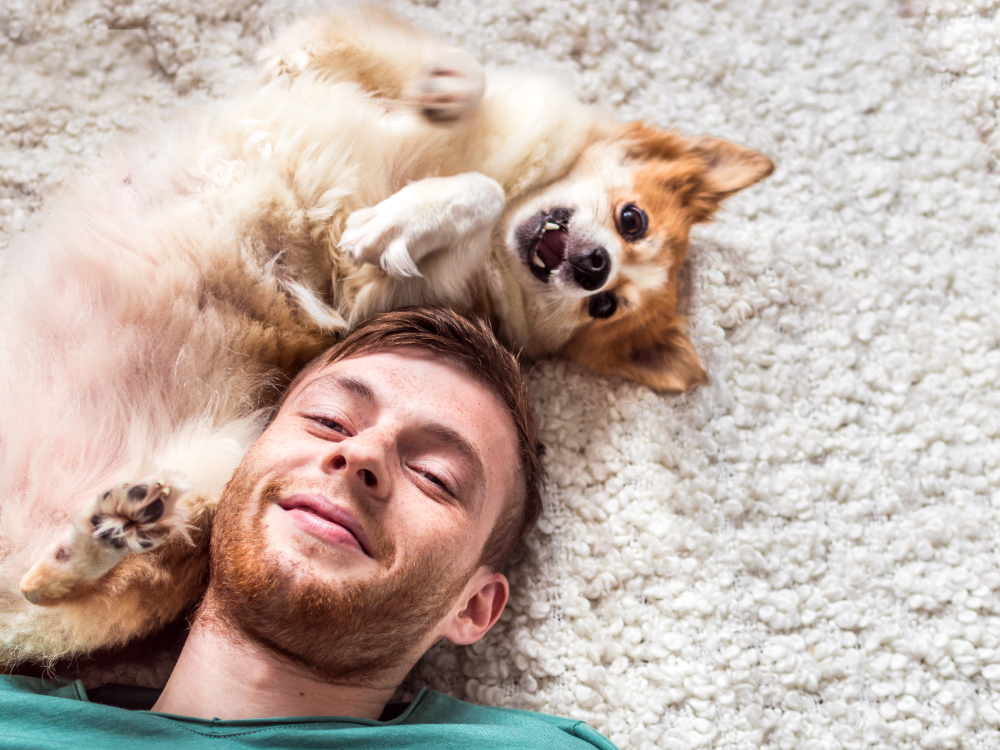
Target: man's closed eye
{"type": "Point", "coordinates": [332, 425]}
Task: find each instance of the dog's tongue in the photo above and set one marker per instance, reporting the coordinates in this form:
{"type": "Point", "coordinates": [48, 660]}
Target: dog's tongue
{"type": "Point", "coordinates": [552, 248]}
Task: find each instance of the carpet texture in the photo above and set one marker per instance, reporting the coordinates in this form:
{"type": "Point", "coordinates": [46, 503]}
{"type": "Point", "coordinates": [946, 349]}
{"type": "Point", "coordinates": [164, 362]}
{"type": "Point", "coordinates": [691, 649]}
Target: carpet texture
{"type": "Point", "coordinates": [801, 554]}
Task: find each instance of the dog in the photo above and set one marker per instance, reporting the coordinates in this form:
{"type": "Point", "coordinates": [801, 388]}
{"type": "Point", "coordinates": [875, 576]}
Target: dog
{"type": "Point", "coordinates": [152, 316]}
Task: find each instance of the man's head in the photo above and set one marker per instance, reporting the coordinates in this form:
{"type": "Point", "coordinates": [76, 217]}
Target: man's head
{"type": "Point", "coordinates": [377, 510]}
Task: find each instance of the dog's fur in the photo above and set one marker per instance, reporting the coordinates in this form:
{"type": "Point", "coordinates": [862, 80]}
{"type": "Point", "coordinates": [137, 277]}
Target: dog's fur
{"type": "Point", "coordinates": [152, 317]}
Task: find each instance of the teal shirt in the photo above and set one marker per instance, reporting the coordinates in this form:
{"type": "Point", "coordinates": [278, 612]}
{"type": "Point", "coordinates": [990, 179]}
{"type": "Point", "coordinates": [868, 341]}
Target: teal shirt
{"type": "Point", "coordinates": [55, 715]}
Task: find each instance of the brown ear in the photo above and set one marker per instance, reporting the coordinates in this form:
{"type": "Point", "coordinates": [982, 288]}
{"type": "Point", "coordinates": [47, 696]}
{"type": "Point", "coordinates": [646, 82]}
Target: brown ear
{"type": "Point", "coordinates": [671, 365]}
{"type": "Point", "coordinates": [730, 167]}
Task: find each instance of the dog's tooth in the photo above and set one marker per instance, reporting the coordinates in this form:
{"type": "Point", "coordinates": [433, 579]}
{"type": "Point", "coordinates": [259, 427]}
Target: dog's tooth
{"type": "Point", "coordinates": [538, 261]}
{"type": "Point", "coordinates": [551, 226]}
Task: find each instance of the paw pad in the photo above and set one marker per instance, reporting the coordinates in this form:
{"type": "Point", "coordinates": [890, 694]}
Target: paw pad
{"type": "Point", "coordinates": [138, 517]}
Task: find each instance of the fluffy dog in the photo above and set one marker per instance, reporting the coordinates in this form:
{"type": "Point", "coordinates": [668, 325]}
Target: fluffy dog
{"type": "Point", "coordinates": [152, 317]}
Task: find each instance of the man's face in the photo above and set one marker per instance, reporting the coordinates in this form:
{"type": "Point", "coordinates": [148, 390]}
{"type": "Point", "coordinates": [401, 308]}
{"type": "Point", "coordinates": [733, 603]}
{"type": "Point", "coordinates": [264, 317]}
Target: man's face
{"type": "Point", "coordinates": [356, 521]}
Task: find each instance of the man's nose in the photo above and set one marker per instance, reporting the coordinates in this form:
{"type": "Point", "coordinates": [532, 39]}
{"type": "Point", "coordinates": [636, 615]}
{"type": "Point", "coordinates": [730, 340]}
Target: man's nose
{"type": "Point", "coordinates": [362, 460]}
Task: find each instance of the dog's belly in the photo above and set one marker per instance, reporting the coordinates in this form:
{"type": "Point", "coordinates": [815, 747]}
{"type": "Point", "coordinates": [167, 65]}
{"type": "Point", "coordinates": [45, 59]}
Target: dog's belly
{"type": "Point", "coordinates": [146, 326]}
{"type": "Point", "coordinates": [151, 296]}
{"type": "Point", "coordinates": [132, 341]}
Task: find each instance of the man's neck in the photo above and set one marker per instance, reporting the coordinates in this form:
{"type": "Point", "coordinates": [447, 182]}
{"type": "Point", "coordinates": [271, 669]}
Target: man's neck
{"type": "Point", "coordinates": [219, 676]}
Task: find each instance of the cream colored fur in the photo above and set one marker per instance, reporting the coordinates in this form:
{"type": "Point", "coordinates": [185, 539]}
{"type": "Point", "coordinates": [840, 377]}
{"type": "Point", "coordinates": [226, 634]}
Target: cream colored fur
{"type": "Point", "coordinates": [151, 319]}
{"type": "Point", "coordinates": [154, 315]}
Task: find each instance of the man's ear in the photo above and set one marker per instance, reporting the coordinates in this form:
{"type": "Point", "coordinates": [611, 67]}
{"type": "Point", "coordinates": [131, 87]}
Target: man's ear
{"type": "Point", "coordinates": [670, 365]}
{"type": "Point", "coordinates": [730, 167]}
{"type": "Point", "coordinates": [483, 600]}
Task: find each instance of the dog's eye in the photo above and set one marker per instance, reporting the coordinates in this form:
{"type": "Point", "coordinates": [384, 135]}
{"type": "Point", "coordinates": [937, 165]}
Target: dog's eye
{"type": "Point", "coordinates": [632, 222]}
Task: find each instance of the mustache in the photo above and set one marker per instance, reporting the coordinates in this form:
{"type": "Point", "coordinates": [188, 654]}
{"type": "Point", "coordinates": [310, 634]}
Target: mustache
{"type": "Point", "coordinates": [383, 548]}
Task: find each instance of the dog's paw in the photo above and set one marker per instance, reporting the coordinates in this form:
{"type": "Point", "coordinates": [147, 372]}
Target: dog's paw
{"type": "Point", "coordinates": [130, 518]}
{"type": "Point", "coordinates": [378, 235]}
{"type": "Point", "coordinates": [138, 517]}
{"type": "Point", "coordinates": [360, 241]}
{"type": "Point", "coordinates": [425, 217]}
{"type": "Point", "coordinates": [450, 86]}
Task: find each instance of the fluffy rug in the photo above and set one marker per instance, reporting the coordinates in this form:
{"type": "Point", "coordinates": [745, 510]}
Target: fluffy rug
{"type": "Point", "coordinates": [803, 553]}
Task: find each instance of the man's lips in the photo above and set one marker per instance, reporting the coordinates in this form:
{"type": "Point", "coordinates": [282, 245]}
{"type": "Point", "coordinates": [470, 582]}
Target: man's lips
{"type": "Point", "coordinates": [320, 517]}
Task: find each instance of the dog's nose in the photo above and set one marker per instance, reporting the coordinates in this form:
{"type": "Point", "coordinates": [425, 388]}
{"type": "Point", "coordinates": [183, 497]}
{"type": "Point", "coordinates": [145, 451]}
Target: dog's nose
{"type": "Point", "coordinates": [591, 269]}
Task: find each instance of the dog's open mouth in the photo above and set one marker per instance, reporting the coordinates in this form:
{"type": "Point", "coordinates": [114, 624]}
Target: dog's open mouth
{"type": "Point", "coordinates": [542, 240]}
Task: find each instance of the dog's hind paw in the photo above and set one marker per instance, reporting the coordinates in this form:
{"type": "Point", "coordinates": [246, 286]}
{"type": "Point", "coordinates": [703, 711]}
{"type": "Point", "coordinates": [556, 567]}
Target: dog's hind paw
{"type": "Point", "coordinates": [450, 87]}
{"type": "Point", "coordinates": [127, 519]}
{"type": "Point", "coordinates": [138, 517]}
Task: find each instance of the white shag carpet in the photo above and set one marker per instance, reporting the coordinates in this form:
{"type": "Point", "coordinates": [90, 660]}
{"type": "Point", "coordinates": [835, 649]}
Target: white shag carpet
{"type": "Point", "coordinates": [802, 554]}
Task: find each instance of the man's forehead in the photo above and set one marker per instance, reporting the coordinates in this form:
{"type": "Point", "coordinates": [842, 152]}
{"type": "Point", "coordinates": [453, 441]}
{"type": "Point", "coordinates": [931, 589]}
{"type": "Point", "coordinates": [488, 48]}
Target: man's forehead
{"type": "Point", "coordinates": [353, 384]}
{"type": "Point", "coordinates": [399, 368]}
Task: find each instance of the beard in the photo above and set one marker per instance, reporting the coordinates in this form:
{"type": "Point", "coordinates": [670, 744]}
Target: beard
{"type": "Point", "coordinates": [345, 632]}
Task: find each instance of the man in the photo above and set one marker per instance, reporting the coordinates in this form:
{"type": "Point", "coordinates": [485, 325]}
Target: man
{"type": "Point", "coordinates": [372, 518]}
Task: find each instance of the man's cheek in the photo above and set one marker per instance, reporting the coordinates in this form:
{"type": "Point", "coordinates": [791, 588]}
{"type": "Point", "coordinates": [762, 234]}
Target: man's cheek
{"type": "Point", "coordinates": [276, 529]}
{"type": "Point", "coordinates": [444, 529]}
{"type": "Point", "coordinates": [272, 452]}
{"type": "Point", "coordinates": [269, 521]}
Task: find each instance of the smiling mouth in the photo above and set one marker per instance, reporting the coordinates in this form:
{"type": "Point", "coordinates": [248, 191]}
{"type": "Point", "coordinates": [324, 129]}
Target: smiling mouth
{"type": "Point", "coordinates": [321, 518]}
{"type": "Point", "coordinates": [543, 239]}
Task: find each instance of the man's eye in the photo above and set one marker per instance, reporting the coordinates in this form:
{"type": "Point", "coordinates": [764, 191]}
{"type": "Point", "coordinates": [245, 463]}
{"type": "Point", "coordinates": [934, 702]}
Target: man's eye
{"type": "Point", "coordinates": [330, 424]}
{"type": "Point", "coordinates": [435, 479]}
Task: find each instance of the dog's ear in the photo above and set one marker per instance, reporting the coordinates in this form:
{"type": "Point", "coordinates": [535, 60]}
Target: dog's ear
{"type": "Point", "coordinates": [717, 169]}
{"type": "Point", "coordinates": [702, 172]}
{"type": "Point", "coordinates": [666, 362]}
{"type": "Point", "coordinates": [729, 167]}
{"type": "Point", "coordinates": [670, 365]}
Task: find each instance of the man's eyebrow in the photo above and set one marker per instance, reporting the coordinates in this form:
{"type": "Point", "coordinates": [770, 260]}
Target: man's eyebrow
{"type": "Point", "coordinates": [445, 434]}
{"type": "Point", "coordinates": [355, 386]}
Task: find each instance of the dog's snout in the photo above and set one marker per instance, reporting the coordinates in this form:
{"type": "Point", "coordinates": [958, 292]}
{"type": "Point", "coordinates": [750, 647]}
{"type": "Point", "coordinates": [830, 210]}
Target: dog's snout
{"type": "Point", "coordinates": [591, 268]}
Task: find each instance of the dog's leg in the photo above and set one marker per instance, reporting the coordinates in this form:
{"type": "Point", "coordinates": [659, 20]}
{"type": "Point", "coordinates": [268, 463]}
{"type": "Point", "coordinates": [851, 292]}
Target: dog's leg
{"type": "Point", "coordinates": [449, 86]}
{"type": "Point", "coordinates": [385, 57]}
{"type": "Point", "coordinates": [426, 216]}
{"type": "Point", "coordinates": [137, 517]}
{"type": "Point", "coordinates": [125, 520]}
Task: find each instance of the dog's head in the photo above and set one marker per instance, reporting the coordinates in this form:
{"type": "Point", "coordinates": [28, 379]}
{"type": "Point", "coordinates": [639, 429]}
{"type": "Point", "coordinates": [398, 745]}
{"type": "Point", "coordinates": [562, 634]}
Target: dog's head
{"type": "Point", "coordinates": [603, 249]}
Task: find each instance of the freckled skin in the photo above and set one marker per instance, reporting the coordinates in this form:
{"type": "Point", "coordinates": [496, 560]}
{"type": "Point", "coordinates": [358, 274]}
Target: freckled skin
{"type": "Point", "coordinates": [400, 378]}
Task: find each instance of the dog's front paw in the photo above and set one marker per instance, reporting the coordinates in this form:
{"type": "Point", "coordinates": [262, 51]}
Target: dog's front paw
{"type": "Point", "coordinates": [377, 235]}
{"type": "Point", "coordinates": [360, 241]}
{"type": "Point", "coordinates": [450, 86]}
{"type": "Point", "coordinates": [425, 217]}
{"type": "Point", "coordinates": [138, 517]}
